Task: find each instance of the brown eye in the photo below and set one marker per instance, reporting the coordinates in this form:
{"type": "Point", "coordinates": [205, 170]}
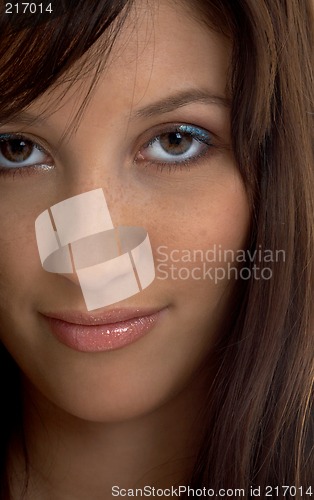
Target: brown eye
{"type": "Point", "coordinates": [16, 150]}
{"type": "Point", "coordinates": [176, 143]}
{"type": "Point", "coordinates": [181, 144]}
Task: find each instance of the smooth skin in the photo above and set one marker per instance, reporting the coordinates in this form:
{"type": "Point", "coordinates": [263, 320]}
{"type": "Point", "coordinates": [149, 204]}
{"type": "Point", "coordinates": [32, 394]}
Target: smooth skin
{"type": "Point", "coordinates": [126, 417]}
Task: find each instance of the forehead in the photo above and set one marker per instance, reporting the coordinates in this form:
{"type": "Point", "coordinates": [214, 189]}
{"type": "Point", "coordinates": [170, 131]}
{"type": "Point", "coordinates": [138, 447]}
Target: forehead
{"type": "Point", "coordinates": [164, 39]}
{"type": "Point", "coordinates": [162, 47]}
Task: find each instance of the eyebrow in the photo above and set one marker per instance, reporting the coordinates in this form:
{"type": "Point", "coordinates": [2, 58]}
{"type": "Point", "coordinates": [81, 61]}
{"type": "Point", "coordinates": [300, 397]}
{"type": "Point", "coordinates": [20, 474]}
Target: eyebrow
{"type": "Point", "coordinates": [180, 99]}
{"type": "Point", "coordinates": [166, 105]}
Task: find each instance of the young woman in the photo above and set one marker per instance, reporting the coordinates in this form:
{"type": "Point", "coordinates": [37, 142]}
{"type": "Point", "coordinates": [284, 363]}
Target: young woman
{"type": "Point", "coordinates": [195, 120]}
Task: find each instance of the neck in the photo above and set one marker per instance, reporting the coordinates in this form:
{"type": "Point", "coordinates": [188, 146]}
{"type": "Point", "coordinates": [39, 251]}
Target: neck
{"type": "Point", "coordinates": [73, 458]}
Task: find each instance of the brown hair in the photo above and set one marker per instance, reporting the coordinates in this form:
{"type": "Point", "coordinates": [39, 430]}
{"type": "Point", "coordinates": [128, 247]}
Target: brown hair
{"type": "Point", "coordinates": [258, 423]}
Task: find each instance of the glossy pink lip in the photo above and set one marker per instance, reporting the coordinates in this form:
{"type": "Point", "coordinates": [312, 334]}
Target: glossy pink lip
{"type": "Point", "coordinates": [102, 331]}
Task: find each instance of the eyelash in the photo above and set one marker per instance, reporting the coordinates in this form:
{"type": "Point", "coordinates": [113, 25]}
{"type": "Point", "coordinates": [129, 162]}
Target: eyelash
{"type": "Point", "coordinates": [196, 133]}
{"type": "Point", "coordinates": [27, 169]}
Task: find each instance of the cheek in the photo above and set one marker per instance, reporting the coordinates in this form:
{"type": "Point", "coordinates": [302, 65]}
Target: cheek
{"type": "Point", "coordinates": [19, 260]}
{"type": "Point", "coordinates": [192, 208]}
{"type": "Point", "coordinates": [209, 226]}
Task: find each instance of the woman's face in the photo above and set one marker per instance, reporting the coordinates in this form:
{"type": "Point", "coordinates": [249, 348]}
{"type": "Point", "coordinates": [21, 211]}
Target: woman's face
{"type": "Point", "coordinates": [179, 182]}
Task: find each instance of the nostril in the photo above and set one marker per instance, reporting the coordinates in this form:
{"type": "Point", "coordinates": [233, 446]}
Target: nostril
{"type": "Point", "coordinates": [73, 277]}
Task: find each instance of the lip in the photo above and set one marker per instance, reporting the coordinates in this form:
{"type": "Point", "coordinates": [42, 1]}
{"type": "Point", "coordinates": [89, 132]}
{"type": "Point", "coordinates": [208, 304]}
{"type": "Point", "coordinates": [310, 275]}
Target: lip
{"type": "Point", "coordinates": [103, 331]}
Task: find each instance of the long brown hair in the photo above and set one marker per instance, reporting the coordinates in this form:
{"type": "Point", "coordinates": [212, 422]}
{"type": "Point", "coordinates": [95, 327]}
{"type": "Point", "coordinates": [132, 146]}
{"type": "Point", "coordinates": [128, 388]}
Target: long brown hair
{"type": "Point", "coordinates": [258, 423]}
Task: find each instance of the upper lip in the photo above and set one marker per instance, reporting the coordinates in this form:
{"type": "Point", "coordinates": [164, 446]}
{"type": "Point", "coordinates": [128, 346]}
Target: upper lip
{"type": "Point", "coordinates": [101, 318]}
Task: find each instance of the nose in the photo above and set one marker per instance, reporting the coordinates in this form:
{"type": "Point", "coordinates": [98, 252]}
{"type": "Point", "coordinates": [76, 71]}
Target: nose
{"type": "Point", "coordinates": [59, 228]}
{"type": "Point", "coordinates": [76, 238]}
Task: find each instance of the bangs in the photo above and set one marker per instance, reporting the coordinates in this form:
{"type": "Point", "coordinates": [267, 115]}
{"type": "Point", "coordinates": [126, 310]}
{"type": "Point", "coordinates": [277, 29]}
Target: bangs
{"type": "Point", "coordinates": [36, 52]}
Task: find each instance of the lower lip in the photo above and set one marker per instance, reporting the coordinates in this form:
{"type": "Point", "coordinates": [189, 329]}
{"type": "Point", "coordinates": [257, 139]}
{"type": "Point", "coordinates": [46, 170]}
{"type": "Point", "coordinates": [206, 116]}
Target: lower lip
{"type": "Point", "coordinates": [97, 338]}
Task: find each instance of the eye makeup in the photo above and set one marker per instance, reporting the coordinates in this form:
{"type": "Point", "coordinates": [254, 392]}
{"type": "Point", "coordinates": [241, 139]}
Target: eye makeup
{"type": "Point", "coordinates": [177, 145]}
